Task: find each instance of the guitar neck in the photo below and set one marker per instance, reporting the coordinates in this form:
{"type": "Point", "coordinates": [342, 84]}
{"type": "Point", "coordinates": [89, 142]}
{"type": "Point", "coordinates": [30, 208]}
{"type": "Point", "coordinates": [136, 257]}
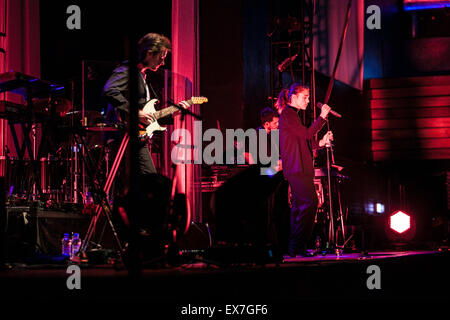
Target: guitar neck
{"type": "Point", "coordinates": [168, 111]}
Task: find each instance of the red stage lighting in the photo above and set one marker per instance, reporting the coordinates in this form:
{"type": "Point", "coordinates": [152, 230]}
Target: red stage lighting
{"type": "Point", "coordinates": [400, 227]}
{"type": "Point", "coordinates": [400, 222]}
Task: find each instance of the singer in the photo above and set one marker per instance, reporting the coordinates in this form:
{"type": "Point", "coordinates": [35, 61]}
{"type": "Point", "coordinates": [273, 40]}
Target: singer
{"type": "Point", "coordinates": [296, 147]}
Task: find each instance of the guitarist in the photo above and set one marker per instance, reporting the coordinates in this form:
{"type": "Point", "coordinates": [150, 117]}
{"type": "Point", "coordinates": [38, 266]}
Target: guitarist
{"type": "Point", "coordinates": [153, 191]}
{"type": "Point", "coordinates": [152, 51]}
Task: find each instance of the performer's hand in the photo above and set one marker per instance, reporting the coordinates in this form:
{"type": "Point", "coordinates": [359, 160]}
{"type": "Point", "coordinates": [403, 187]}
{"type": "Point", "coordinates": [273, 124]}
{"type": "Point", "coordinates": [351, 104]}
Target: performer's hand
{"type": "Point", "coordinates": [145, 117]}
{"type": "Point", "coordinates": [325, 110]}
{"type": "Point", "coordinates": [327, 138]}
{"type": "Point", "coordinates": [184, 104]}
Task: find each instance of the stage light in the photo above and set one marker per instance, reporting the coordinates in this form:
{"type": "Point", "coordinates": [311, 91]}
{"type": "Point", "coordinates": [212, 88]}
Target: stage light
{"type": "Point", "coordinates": [380, 208]}
{"type": "Point", "coordinates": [370, 208]}
{"type": "Point", "coordinates": [400, 228]}
{"type": "Point", "coordinates": [416, 5]}
{"type": "Point", "coordinates": [400, 222]}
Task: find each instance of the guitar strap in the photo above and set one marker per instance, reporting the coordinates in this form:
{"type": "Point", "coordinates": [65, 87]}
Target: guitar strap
{"type": "Point", "coordinates": [147, 92]}
{"type": "Point", "coordinates": [153, 91]}
{"type": "Point", "coordinates": [148, 85]}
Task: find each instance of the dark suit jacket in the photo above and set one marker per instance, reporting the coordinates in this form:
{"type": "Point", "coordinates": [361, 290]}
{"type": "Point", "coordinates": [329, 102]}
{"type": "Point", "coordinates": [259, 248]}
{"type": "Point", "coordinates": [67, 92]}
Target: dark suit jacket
{"type": "Point", "coordinates": [297, 143]}
{"type": "Point", "coordinates": [116, 92]}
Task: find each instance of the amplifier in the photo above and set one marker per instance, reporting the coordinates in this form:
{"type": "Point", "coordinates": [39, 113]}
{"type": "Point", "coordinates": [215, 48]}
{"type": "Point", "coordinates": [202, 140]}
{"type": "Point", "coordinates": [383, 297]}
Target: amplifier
{"type": "Point", "coordinates": [30, 232]}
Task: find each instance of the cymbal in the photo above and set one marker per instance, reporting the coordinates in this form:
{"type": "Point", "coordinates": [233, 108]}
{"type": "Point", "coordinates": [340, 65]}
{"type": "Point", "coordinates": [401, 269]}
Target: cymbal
{"type": "Point", "coordinates": [102, 127]}
{"type": "Point", "coordinates": [78, 113]}
{"type": "Point", "coordinates": [90, 114]}
{"type": "Point", "coordinates": [44, 105]}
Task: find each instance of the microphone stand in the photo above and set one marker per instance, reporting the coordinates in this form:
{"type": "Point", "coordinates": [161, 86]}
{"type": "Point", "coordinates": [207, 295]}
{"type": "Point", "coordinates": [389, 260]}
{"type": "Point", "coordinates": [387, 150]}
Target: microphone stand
{"type": "Point", "coordinates": [330, 161]}
{"type": "Point", "coordinates": [330, 147]}
{"type": "Point", "coordinates": [332, 234]}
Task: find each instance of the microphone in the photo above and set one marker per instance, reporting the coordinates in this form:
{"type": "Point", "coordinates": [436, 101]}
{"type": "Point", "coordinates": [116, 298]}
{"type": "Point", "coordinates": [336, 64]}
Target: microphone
{"type": "Point", "coordinates": [286, 63]}
{"type": "Point", "coordinates": [334, 113]}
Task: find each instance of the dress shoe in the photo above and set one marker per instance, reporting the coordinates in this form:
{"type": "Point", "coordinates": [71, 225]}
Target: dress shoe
{"type": "Point", "coordinates": [307, 254]}
{"type": "Point", "coordinates": [303, 252]}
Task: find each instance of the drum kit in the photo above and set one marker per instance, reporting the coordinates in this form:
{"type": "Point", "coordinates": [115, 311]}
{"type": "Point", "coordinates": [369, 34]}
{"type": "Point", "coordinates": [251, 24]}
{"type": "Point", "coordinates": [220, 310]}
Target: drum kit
{"type": "Point", "coordinates": [49, 165]}
{"type": "Point", "coordinates": [63, 175]}
{"type": "Point", "coordinates": [65, 158]}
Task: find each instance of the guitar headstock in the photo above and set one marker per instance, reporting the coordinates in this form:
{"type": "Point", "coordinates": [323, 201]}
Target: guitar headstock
{"type": "Point", "coordinates": [199, 100]}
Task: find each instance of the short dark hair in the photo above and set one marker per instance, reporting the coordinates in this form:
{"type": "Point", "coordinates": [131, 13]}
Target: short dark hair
{"type": "Point", "coordinates": [153, 42]}
{"type": "Point", "coordinates": [267, 114]}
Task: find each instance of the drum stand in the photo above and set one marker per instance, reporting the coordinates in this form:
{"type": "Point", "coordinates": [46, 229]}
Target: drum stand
{"type": "Point", "coordinates": [100, 195]}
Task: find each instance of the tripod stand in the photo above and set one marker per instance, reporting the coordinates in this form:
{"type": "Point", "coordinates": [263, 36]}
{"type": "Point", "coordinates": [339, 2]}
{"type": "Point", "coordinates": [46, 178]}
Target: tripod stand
{"type": "Point", "coordinates": [99, 194]}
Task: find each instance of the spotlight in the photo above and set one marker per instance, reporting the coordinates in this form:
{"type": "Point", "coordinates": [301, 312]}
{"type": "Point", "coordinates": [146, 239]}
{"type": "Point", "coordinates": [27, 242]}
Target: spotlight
{"type": "Point", "coordinates": [401, 227]}
{"type": "Point", "coordinates": [370, 208]}
{"type": "Point", "coordinates": [400, 222]}
{"type": "Point", "coordinates": [380, 208]}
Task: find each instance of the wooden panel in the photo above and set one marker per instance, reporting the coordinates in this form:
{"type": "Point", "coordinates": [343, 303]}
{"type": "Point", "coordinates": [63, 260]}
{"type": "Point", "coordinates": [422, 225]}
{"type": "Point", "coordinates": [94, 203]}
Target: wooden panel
{"type": "Point", "coordinates": [409, 92]}
{"type": "Point", "coordinates": [410, 144]}
{"type": "Point", "coordinates": [410, 113]}
{"type": "Point", "coordinates": [410, 133]}
{"type": "Point", "coordinates": [448, 189]}
{"type": "Point", "coordinates": [408, 82]}
{"type": "Point", "coordinates": [411, 123]}
{"type": "Point", "coordinates": [410, 118]}
{"type": "Point", "coordinates": [418, 102]}
{"type": "Point", "coordinates": [430, 154]}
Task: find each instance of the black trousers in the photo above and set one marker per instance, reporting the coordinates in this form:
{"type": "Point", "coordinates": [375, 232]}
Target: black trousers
{"type": "Point", "coordinates": [146, 165]}
{"type": "Point", "coordinates": [303, 210]}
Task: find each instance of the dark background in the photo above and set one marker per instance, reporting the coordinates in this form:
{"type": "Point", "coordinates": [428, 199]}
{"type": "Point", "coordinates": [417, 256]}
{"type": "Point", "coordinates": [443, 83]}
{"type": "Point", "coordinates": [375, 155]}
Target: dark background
{"type": "Point", "coordinates": [235, 76]}
{"type": "Point", "coordinates": [104, 36]}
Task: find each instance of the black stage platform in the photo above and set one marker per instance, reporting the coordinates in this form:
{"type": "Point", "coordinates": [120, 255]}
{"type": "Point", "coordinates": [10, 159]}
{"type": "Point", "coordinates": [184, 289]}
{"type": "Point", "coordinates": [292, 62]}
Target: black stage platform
{"type": "Point", "coordinates": [330, 283]}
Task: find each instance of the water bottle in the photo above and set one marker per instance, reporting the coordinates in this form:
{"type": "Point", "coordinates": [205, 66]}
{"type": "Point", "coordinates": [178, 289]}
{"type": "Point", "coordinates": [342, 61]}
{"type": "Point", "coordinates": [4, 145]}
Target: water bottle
{"type": "Point", "coordinates": [66, 245]}
{"type": "Point", "coordinates": [318, 244]}
{"type": "Point", "coordinates": [76, 244]}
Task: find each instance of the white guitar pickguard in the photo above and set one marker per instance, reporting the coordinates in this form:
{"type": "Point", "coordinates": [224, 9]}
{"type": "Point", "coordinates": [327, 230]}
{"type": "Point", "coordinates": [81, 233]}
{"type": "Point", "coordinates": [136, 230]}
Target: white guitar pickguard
{"type": "Point", "coordinates": [154, 126]}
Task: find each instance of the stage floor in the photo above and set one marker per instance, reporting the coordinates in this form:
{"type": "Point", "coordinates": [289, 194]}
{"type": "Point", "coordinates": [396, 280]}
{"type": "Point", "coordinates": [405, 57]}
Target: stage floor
{"type": "Point", "coordinates": [372, 255]}
{"type": "Point", "coordinates": [327, 284]}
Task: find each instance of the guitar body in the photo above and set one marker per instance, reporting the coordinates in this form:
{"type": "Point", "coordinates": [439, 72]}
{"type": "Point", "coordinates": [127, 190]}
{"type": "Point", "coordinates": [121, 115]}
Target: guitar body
{"type": "Point", "coordinates": [154, 126]}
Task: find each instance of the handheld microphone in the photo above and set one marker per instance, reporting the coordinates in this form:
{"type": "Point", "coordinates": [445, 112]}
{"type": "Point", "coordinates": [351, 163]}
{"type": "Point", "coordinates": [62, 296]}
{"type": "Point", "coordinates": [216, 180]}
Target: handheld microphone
{"type": "Point", "coordinates": [334, 113]}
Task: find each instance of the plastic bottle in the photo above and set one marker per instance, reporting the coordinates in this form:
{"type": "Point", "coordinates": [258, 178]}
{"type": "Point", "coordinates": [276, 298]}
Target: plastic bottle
{"type": "Point", "coordinates": [66, 245]}
{"type": "Point", "coordinates": [318, 244]}
{"type": "Point", "coordinates": [76, 244]}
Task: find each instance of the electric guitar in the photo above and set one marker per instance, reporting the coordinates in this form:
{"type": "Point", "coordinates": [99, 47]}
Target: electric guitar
{"type": "Point", "coordinates": [146, 131]}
